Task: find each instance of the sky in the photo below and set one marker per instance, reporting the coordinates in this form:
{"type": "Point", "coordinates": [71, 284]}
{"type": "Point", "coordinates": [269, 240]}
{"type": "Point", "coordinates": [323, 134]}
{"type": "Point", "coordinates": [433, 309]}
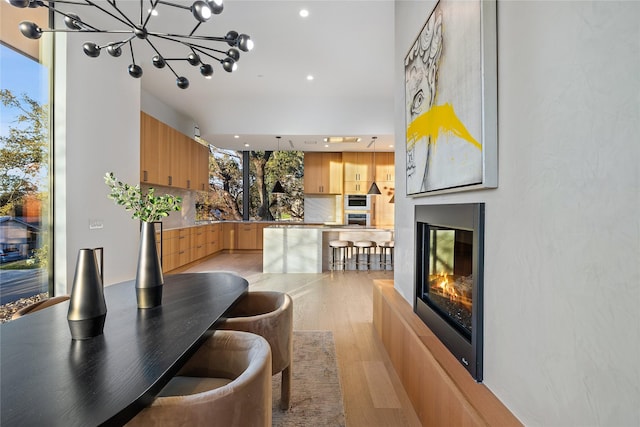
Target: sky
{"type": "Point", "coordinates": [20, 74]}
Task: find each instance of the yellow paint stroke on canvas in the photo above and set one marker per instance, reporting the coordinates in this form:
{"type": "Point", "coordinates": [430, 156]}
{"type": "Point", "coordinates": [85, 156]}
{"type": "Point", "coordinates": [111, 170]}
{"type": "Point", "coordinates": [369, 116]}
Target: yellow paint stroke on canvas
{"type": "Point", "coordinates": [439, 119]}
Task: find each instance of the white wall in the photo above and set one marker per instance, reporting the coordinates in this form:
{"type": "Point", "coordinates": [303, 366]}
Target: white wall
{"type": "Point", "coordinates": [167, 115]}
{"type": "Point", "coordinates": [562, 249]}
{"type": "Point", "coordinates": [97, 115]}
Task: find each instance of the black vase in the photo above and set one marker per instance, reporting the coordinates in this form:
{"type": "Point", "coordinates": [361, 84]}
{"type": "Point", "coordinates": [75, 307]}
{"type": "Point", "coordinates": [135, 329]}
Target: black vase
{"type": "Point", "coordinates": [87, 308]}
{"type": "Point", "coordinates": [149, 278]}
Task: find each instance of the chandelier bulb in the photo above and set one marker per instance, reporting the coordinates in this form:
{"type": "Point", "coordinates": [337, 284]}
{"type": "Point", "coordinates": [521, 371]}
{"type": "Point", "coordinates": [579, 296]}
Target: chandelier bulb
{"type": "Point", "coordinates": [72, 21]}
{"type": "Point", "coordinates": [20, 3]}
{"type": "Point", "coordinates": [30, 30]}
{"type": "Point", "coordinates": [231, 37]}
{"type": "Point", "coordinates": [206, 70]}
{"type": "Point", "coordinates": [91, 49]}
{"type": "Point", "coordinates": [216, 6]}
{"type": "Point", "coordinates": [229, 65]}
{"type": "Point", "coordinates": [233, 54]}
{"type": "Point", "coordinates": [193, 59]}
{"type": "Point", "coordinates": [244, 42]}
{"type": "Point", "coordinates": [158, 61]}
{"type": "Point", "coordinates": [114, 50]}
{"type": "Point", "coordinates": [135, 71]}
{"type": "Point", "coordinates": [201, 11]}
{"type": "Point", "coordinates": [182, 82]}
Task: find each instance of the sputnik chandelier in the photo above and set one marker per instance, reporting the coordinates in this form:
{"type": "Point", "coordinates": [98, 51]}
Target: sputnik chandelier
{"type": "Point", "coordinates": [137, 28]}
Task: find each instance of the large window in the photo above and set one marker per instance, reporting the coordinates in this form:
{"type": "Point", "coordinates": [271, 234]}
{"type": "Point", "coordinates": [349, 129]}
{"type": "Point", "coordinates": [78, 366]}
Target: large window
{"type": "Point", "coordinates": [25, 214]}
{"type": "Point", "coordinates": [229, 182]}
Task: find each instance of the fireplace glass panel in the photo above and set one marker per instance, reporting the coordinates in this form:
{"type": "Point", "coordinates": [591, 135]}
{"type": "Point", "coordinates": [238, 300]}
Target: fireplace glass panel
{"type": "Point", "coordinates": [449, 282]}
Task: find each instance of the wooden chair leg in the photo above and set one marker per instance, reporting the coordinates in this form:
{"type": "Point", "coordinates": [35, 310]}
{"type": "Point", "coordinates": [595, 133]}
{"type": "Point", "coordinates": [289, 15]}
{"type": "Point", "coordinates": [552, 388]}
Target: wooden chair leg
{"type": "Point", "coordinates": [285, 393]}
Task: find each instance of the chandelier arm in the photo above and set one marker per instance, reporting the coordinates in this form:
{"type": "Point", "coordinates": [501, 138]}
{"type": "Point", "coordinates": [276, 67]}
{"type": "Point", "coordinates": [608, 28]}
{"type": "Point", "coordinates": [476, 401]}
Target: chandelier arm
{"type": "Point", "coordinates": [194, 29]}
{"type": "Point", "coordinates": [120, 43]}
{"type": "Point", "coordinates": [204, 38]}
{"type": "Point", "coordinates": [159, 54]}
{"type": "Point", "coordinates": [188, 45]}
{"type": "Point", "coordinates": [66, 15]}
{"type": "Point", "coordinates": [133, 59]}
{"type": "Point", "coordinates": [208, 54]}
{"type": "Point", "coordinates": [174, 4]}
{"type": "Point", "coordinates": [153, 6]}
{"type": "Point", "coordinates": [199, 47]}
{"type": "Point", "coordinates": [125, 21]}
{"type": "Point", "coordinates": [75, 3]}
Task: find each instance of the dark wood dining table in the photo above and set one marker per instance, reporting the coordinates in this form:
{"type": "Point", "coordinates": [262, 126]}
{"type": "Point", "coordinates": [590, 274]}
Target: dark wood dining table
{"type": "Point", "coordinates": [48, 379]}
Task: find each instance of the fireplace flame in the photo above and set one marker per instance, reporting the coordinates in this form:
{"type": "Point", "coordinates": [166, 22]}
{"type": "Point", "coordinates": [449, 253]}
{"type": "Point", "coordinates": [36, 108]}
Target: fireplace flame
{"type": "Point", "coordinates": [448, 287]}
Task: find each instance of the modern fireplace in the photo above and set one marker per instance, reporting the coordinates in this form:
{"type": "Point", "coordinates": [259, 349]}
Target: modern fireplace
{"type": "Point", "coordinates": [449, 278]}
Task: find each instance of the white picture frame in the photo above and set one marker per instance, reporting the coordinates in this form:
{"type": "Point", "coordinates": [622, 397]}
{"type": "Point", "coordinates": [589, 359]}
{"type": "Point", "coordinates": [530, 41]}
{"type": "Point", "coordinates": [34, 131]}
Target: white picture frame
{"type": "Point", "coordinates": [451, 100]}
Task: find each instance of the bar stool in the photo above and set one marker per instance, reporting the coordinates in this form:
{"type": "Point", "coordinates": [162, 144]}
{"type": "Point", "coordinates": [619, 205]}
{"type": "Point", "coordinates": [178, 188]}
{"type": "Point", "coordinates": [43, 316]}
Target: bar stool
{"type": "Point", "coordinates": [365, 246]}
{"type": "Point", "coordinates": [339, 250]}
{"type": "Point", "coordinates": [386, 254]}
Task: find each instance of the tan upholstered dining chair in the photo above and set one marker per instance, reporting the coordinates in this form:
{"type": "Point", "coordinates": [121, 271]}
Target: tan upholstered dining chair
{"type": "Point", "coordinates": [37, 306]}
{"type": "Point", "coordinates": [269, 314]}
{"type": "Point", "coordinates": [226, 383]}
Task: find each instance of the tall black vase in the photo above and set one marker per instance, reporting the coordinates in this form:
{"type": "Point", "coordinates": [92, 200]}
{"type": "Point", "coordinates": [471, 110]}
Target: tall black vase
{"type": "Point", "coordinates": [87, 307]}
{"type": "Point", "coordinates": [149, 278]}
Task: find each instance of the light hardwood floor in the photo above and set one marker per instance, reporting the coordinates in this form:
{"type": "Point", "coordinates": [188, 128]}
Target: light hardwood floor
{"type": "Point", "coordinates": [342, 303]}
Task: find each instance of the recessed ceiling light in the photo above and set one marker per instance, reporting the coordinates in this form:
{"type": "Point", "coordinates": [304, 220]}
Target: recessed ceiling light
{"type": "Point", "coordinates": [304, 13]}
{"type": "Point", "coordinates": [236, 136]}
{"type": "Point", "coordinates": [246, 145]}
{"type": "Point", "coordinates": [339, 139]}
{"type": "Point", "coordinates": [309, 77]}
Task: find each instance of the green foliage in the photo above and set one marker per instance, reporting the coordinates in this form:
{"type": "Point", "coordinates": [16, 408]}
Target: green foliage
{"type": "Point", "coordinates": [265, 168]}
{"type": "Point", "coordinates": [146, 207]}
{"type": "Point", "coordinates": [24, 151]}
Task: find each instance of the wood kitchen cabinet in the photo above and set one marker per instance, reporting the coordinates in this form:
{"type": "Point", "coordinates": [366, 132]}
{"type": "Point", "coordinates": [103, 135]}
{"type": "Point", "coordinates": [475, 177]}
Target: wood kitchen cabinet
{"type": "Point", "coordinates": [383, 213]}
{"type": "Point", "coordinates": [170, 158]}
{"type": "Point", "coordinates": [247, 237]}
{"type": "Point", "coordinates": [155, 153]}
{"type": "Point", "coordinates": [382, 209]}
{"type": "Point", "coordinates": [176, 250]}
{"type": "Point", "coordinates": [199, 167]}
{"type": "Point", "coordinates": [322, 173]}
{"type": "Point", "coordinates": [358, 172]}
{"type": "Point", "coordinates": [199, 235]}
{"type": "Point", "coordinates": [229, 235]}
{"type": "Point", "coordinates": [214, 238]}
{"type": "Point", "coordinates": [384, 167]}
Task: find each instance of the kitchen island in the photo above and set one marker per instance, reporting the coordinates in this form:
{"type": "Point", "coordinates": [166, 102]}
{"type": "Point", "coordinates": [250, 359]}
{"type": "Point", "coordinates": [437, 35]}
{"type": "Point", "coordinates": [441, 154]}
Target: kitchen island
{"type": "Point", "coordinates": [299, 248]}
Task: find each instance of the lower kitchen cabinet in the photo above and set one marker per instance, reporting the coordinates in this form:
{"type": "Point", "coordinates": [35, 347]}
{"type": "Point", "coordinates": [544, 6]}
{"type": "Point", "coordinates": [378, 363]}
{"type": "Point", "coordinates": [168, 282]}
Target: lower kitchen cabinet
{"type": "Point", "coordinates": [247, 236]}
{"type": "Point", "coordinates": [181, 246]}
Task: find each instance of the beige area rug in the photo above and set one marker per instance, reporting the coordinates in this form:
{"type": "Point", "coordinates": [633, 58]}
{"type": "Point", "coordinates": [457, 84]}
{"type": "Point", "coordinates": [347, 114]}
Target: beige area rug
{"type": "Point", "coordinates": [316, 394]}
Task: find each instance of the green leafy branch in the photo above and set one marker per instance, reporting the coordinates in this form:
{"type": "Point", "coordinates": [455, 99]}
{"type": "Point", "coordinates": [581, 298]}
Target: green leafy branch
{"type": "Point", "coordinates": [146, 207]}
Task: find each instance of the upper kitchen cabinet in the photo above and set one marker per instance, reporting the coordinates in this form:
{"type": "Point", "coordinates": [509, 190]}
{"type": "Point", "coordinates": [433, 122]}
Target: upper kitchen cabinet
{"type": "Point", "coordinates": [384, 167]}
{"type": "Point", "coordinates": [358, 172]}
{"type": "Point", "coordinates": [200, 167]}
{"type": "Point", "coordinates": [170, 158]}
{"type": "Point", "coordinates": [155, 153]}
{"type": "Point", "coordinates": [322, 173]}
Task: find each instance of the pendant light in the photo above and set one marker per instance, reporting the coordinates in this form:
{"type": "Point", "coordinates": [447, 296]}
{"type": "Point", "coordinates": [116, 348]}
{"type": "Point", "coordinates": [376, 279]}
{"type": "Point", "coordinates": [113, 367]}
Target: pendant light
{"type": "Point", "coordinates": [278, 188]}
{"type": "Point", "coordinates": [374, 187]}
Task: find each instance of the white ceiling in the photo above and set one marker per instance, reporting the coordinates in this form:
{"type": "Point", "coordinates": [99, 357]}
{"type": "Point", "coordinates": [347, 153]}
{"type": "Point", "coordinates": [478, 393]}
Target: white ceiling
{"type": "Point", "coordinates": [346, 45]}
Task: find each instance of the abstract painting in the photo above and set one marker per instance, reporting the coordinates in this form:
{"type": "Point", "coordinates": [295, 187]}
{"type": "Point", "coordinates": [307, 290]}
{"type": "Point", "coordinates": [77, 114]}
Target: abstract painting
{"type": "Point", "coordinates": [451, 100]}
